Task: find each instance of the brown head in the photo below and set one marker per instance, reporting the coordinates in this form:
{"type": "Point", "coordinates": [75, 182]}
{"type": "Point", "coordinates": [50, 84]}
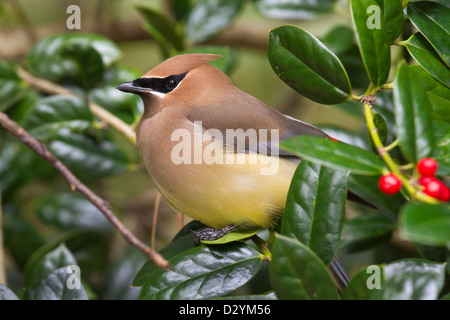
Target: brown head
{"type": "Point", "coordinates": [183, 80]}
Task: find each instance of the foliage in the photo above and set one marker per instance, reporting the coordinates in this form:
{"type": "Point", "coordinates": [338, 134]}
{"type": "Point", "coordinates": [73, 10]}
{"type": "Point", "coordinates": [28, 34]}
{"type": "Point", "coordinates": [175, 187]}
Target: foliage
{"type": "Point", "coordinates": [404, 125]}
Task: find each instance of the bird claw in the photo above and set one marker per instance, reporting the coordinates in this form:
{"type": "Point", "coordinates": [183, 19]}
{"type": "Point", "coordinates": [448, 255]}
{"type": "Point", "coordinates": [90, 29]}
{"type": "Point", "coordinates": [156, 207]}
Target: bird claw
{"type": "Point", "coordinates": [211, 234]}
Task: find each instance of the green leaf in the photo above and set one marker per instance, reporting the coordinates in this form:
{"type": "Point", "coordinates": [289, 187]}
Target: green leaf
{"type": "Point", "coordinates": [431, 19]}
{"type": "Point", "coordinates": [306, 65]}
{"type": "Point", "coordinates": [232, 236]}
{"type": "Point", "coordinates": [55, 287]}
{"type": "Point", "coordinates": [293, 9]}
{"type": "Point", "coordinates": [296, 272]}
{"type": "Point", "coordinates": [358, 287]}
{"type": "Point", "coordinates": [226, 63]}
{"type": "Point", "coordinates": [425, 223]}
{"type": "Point", "coordinates": [47, 263]}
{"type": "Point", "coordinates": [11, 86]}
{"type": "Point", "coordinates": [183, 241]}
{"type": "Point", "coordinates": [412, 116]}
{"type": "Point", "coordinates": [45, 58]}
{"type": "Point", "coordinates": [393, 15]}
{"type": "Point", "coordinates": [6, 293]}
{"type": "Point", "coordinates": [367, 188]}
{"type": "Point", "coordinates": [162, 30]}
{"type": "Point", "coordinates": [204, 272]}
{"type": "Point", "coordinates": [339, 39]}
{"type": "Point", "coordinates": [372, 36]}
{"type": "Point", "coordinates": [366, 231]}
{"type": "Point", "coordinates": [87, 157]}
{"type": "Point", "coordinates": [87, 62]}
{"type": "Point", "coordinates": [441, 149]}
{"type": "Point", "coordinates": [411, 279]}
{"type": "Point", "coordinates": [55, 112]}
{"type": "Point", "coordinates": [336, 155]}
{"type": "Point", "coordinates": [69, 211]}
{"type": "Point", "coordinates": [421, 50]}
{"type": "Point", "coordinates": [315, 208]}
{"type": "Point", "coordinates": [127, 107]}
{"type": "Point", "coordinates": [437, 93]}
{"type": "Point", "coordinates": [208, 18]}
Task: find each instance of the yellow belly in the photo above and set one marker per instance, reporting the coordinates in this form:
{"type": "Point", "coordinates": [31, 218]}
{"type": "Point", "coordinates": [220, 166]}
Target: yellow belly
{"type": "Point", "coordinates": [234, 193]}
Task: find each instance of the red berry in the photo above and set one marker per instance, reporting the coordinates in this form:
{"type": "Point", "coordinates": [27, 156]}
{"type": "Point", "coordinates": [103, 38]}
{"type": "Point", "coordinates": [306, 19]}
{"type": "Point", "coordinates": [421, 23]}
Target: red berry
{"type": "Point", "coordinates": [445, 194]}
{"type": "Point", "coordinates": [390, 184]}
{"type": "Point", "coordinates": [432, 186]}
{"type": "Point", "coordinates": [427, 167]}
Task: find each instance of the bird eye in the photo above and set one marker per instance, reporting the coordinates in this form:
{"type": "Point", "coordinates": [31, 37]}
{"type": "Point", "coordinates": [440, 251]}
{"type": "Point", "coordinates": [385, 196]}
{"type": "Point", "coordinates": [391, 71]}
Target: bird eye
{"type": "Point", "coordinates": [171, 84]}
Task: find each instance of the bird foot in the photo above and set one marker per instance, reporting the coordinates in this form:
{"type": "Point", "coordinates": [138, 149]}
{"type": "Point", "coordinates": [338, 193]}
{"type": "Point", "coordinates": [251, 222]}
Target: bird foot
{"type": "Point", "coordinates": [211, 234]}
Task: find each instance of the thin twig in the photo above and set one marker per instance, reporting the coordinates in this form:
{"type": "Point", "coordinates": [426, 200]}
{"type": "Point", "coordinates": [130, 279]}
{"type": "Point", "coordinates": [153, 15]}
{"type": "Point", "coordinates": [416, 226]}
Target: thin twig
{"type": "Point", "coordinates": [155, 219]}
{"type": "Point", "coordinates": [75, 184]}
{"type": "Point", "coordinates": [106, 116]}
{"type": "Point", "coordinates": [2, 253]}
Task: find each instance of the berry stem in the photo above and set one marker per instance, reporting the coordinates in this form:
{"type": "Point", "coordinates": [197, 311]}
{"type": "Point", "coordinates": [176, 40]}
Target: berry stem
{"type": "Point", "coordinates": [382, 150]}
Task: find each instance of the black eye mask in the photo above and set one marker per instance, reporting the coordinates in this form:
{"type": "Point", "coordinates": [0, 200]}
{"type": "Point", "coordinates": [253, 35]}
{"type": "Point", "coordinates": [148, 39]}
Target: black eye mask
{"type": "Point", "coordinates": [163, 85]}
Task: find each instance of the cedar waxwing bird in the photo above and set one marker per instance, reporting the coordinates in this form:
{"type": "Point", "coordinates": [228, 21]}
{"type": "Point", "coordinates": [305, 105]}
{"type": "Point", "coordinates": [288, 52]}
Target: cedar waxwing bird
{"type": "Point", "coordinates": [212, 149]}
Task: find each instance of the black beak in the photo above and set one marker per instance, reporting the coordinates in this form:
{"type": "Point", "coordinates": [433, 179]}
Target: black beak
{"type": "Point", "coordinates": [131, 88]}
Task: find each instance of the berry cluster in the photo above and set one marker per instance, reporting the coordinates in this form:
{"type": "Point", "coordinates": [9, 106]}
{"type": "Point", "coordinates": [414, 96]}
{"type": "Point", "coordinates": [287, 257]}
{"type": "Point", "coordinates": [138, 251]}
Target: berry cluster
{"type": "Point", "coordinates": [432, 186]}
{"type": "Point", "coordinates": [427, 167]}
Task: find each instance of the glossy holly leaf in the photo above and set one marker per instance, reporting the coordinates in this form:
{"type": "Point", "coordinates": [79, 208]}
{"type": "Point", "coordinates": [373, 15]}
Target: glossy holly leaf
{"type": "Point", "coordinates": [87, 157]}
{"type": "Point", "coordinates": [358, 139]}
{"type": "Point", "coordinates": [6, 293]}
{"type": "Point", "coordinates": [364, 283]}
{"type": "Point", "coordinates": [437, 93]}
{"type": "Point", "coordinates": [365, 232]}
{"type": "Point", "coordinates": [69, 211]}
{"type": "Point", "coordinates": [421, 50]}
{"type": "Point", "coordinates": [183, 241]}
{"type": "Point", "coordinates": [393, 15]}
{"type": "Point", "coordinates": [315, 208]}
{"type": "Point", "coordinates": [307, 66]}
{"type": "Point", "coordinates": [204, 272]}
{"type": "Point", "coordinates": [127, 107]}
{"type": "Point", "coordinates": [55, 287]}
{"type": "Point", "coordinates": [297, 273]}
{"type": "Point", "coordinates": [431, 19]}
{"type": "Point", "coordinates": [425, 223]}
{"type": "Point", "coordinates": [86, 61]}
{"type": "Point", "coordinates": [233, 236]}
{"type": "Point", "coordinates": [412, 116]}
{"type": "Point", "coordinates": [333, 154]}
{"type": "Point", "coordinates": [208, 18]}
{"type": "Point", "coordinates": [339, 40]}
{"type": "Point", "coordinates": [41, 267]}
{"type": "Point", "coordinates": [372, 36]}
{"type": "Point", "coordinates": [55, 112]}
{"type": "Point", "coordinates": [293, 9]}
{"type": "Point", "coordinates": [411, 279]}
{"type": "Point", "coordinates": [441, 148]}
{"type": "Point", "coordinates": [46, 57]}
{"type": "Point", "coordinates": [162, 30]}
{"type": "Point", "coordinates": [15, 161]}
{"type": "Point", "coordinates": [367, 188]}
{"type": "Point", "coordinates": [11, 86]}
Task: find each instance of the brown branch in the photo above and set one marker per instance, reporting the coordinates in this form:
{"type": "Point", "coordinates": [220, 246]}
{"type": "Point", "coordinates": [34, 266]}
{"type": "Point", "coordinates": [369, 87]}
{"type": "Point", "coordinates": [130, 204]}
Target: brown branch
{"type": "Point", "coordinates": [75, 184]}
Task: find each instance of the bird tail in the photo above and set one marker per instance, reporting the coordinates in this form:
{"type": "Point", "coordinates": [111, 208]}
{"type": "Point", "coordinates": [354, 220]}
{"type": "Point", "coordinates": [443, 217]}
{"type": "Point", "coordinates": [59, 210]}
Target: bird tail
{"type": "Point", "coordinates": [339, 274]}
